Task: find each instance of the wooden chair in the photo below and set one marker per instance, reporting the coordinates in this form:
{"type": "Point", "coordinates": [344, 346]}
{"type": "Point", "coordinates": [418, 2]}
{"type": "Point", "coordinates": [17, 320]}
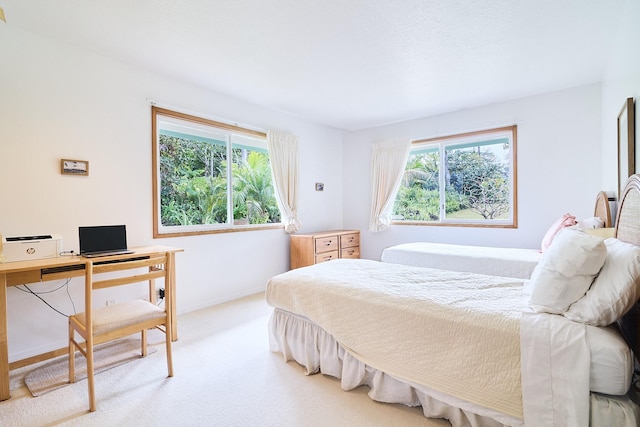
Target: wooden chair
{"type": "Point", "coordinates": [99, 325]}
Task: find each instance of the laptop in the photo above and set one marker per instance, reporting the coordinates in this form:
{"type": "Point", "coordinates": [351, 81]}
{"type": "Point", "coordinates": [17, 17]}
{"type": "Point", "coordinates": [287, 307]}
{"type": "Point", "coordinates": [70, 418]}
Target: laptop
{"type": "Point", "coordinates": [103, 240]}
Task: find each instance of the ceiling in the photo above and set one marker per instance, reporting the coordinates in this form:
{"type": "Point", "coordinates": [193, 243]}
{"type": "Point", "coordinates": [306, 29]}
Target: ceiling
{"type": "Point", "coordinates": [347, 64]}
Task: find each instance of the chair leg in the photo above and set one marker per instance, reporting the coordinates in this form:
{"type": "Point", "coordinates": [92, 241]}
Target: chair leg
{"type": "Point", "coordinates": [90, 378]}
{"type": "Point", "coordinates": [143, 342]}
{"type": "Point", "coordinates": [167, 332]}
{"type": "Point", "coordinates": [72, 356]}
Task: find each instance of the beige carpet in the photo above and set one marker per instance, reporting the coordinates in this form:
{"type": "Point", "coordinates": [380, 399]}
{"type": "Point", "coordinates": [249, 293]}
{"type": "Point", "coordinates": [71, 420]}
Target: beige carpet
{"type": "Point", "coordinates": [55, 374]}
{"type": "Point", "coordinates": [225, 375]}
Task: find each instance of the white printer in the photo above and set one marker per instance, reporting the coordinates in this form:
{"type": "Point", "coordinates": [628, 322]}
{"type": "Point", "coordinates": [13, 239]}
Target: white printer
{"type": "Point", "coordinates": [23, 248]}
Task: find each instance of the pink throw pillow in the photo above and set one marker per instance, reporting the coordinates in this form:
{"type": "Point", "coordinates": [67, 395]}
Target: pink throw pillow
{"type": "Point", "coordinates": [567, 220]}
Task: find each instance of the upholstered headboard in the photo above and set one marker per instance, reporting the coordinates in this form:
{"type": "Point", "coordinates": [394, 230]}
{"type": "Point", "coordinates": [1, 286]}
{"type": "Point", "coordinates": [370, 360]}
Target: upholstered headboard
{"type": "Point", "coordinates": [628, 230]}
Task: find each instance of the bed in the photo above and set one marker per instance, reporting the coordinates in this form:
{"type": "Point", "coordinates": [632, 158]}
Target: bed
{"type": "Point", "coordinates": [465, 346]}
{"type": "Point", "coordinates": [495, 261]}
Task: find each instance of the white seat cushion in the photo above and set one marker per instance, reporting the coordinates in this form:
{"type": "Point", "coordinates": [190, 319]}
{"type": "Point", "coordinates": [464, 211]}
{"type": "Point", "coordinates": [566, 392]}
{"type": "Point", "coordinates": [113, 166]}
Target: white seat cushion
{"type": "Point", "coordinates": [121, 315]}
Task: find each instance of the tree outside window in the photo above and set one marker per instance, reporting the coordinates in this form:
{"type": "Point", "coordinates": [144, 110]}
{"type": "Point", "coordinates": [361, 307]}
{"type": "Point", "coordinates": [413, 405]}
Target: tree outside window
{"type": "Point", "coordinates": [466, 179]}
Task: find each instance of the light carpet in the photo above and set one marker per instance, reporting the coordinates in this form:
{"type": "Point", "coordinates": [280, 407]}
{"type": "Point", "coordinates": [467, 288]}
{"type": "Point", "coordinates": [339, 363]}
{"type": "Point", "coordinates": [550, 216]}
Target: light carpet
{"type": "Point", "coordinates": [225, 375]}
{"type": "Point", "coordinates": [55, 374]}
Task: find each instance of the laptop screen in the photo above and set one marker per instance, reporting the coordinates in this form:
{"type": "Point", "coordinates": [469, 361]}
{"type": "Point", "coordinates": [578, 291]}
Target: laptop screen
{"type": "Point", "coordinates": [102, 238]}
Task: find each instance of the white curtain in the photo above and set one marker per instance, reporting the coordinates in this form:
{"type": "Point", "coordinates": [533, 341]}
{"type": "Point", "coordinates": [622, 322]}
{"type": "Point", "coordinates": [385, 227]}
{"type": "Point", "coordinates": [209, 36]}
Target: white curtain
{"type": "Point", "coordinates": [283, 154]}
{"type": "Point", "coordinates": [387, 167]}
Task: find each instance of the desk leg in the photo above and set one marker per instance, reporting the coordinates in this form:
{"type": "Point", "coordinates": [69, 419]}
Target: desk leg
{"type": "Point", "coordinates": [4, 347]}
{"type": "Point", "coordinates": [172, 289]}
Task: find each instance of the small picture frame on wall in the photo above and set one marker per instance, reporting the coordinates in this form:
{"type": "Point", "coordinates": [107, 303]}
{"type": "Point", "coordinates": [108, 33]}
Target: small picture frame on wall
{"type": "Point", "coordinates": [74, 167]}
{"type": "Point", "coordinates": [627, 155]}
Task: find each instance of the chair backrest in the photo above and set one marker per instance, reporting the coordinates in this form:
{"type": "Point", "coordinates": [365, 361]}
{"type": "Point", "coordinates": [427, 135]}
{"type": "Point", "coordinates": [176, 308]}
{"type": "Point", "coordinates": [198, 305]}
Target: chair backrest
{"type": "Point", "coordinates": [156, 268]}
{"type": "Point", "coordinates": [156, 264]}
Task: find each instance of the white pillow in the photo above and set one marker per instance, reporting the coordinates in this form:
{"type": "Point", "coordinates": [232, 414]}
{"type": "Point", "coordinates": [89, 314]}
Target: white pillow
{"type": "Point", "coordinates": [614, 291]}
{"type": "Point", "coordinates": [566, 270]}
{"type": "Point", "coordinates": [589, 223]}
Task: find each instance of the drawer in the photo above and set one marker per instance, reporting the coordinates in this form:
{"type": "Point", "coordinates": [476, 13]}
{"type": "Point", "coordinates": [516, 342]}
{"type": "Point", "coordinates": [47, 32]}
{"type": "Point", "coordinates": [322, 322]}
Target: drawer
{"type": "Point", "coordinates": [349, 240]}
{"type": "Point", "coordinates": [326, 244]}
{"type": "Point", "coordinates": [21, 277]}
{"type": "Point", "coordinates": [353, 252]}
{"type": "Point", "coordinates": [328, 256]}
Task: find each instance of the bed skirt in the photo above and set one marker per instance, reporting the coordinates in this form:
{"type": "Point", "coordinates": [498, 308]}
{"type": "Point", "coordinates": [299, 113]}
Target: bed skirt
{"type": "Point", "coordinates": [306, 343]}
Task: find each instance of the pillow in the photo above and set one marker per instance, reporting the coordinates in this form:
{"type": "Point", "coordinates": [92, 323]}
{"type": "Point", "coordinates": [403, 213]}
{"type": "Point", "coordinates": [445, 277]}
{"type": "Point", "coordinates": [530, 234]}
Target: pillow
{"type": "Point", "coordinates": [590, 223]}
{"type": "Point", "coordinates": [565, 220]}
{"type": "Point", "coordinates": [566, 270]}
{"type": "Point", "coordinates": [614, 291]}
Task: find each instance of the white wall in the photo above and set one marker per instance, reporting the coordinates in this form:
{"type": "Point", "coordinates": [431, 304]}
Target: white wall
{"type": "Point", "coordinates": [60, 102]}
{"type": "Point", "coordinates": [558, 167]}
{"type": "Point", "coordinates": [622, 81]}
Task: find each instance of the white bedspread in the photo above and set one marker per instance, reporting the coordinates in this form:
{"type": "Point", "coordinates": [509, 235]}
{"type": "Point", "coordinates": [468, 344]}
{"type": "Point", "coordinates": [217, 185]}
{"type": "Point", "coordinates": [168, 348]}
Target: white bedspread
{"type": "Point", "coordinates": [458, 333]}
{"type": "Point", "coordinates": [507, 262]}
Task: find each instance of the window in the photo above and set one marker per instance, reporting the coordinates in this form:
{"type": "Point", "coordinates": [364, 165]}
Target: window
{"type": "Point", "coordinates": [467, 179]}
{"type": "Point", "coordinates": [209, 177]}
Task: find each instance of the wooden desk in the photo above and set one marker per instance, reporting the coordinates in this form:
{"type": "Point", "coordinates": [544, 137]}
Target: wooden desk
{"type": "Point", "coordinates": [41, 270]}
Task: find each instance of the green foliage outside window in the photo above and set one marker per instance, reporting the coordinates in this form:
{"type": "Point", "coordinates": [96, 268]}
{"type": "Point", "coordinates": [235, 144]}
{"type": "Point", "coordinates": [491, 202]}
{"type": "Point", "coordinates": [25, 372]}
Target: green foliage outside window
{"type": "Point", "coordinates": [476, 184]}
{"type": "Point", "coordinates": [194, 184]}
{"type": "Point", "coordinates": [253, 190]}
{"type": "Point", "coordinates": [418, 204]}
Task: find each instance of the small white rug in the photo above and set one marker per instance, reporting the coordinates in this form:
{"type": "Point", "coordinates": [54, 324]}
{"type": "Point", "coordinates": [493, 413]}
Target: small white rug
{"type": "Point", "coordinates": [55, 374]}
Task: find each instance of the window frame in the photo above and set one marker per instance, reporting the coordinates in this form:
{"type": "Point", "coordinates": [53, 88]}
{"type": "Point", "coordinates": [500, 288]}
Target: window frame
{"type": "Point", "coordinates": [443, 142]}
{"type": "Point", "coordinates": [194, 230]}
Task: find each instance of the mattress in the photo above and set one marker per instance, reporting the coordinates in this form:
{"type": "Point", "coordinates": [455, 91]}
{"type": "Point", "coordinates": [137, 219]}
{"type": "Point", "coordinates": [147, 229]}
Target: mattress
{"type": "Point", "coordinates": [611, 369]}
{"type": "Point", "coordinates": [506, 262]}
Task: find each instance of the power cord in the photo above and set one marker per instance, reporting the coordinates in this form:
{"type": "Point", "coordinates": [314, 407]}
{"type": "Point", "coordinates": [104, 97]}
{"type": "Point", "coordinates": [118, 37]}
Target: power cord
{"type": "Point", "coordinates": [28, 290]}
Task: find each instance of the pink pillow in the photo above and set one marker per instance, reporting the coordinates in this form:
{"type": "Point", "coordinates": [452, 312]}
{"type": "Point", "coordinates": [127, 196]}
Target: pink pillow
{"type": "Point", "coordinates": [567, 220]}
